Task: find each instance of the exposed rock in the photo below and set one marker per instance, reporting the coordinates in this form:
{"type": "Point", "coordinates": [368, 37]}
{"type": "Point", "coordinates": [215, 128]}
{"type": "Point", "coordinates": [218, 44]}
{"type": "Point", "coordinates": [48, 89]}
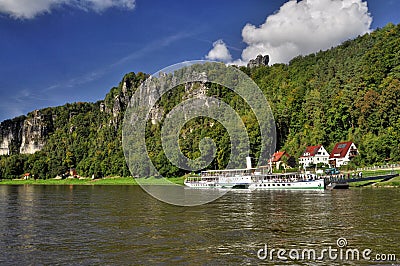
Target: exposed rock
{"type": "Point", "coordinates": [25, 135]}
{"type": "Point", "coordinates": [156, 114]}
{"type": "Point", "coordinates": [117, 107]}
{"type": "Point", "coordinates": [124, 87]}
{"type": "Point", "coordinates": [195, 90]}
{"type": "Point", "coordinates": [34, 133]}
{"type": "Point", "coordinates": [10, 135]}
{"type": "Point", "coordinates": [258, 61]}
{"type": "Point", "coordinates": [102, 107]}
{"type": "Point", "coordinates": [29, 134]}
{"type": "Point", "coordinates": [5, 144]}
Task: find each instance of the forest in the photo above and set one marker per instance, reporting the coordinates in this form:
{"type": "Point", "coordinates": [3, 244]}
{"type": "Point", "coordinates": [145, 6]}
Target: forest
{"type": "Point", "coordinates": [348, 93]}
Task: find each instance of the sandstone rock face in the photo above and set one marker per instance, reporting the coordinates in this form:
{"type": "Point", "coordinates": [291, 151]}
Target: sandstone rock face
{"type": "Point", "coordinates": [25, 135]}
{"type": "Point", "coordinates": [34, 132]}
{"type": "Point", "coordinates": [29, 134]}
{"type": "Point", "coordinates": [5, 144]}
{"type": "Point", "coordinates": [258, 61]}
{"type": "Point", "coordinates": [10, 135]}
{"type": "Point", "coordinates": [118, 105]}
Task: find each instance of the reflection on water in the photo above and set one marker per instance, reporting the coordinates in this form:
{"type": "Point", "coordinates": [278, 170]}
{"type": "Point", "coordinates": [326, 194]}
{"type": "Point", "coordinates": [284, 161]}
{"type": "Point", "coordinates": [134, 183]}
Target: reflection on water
{"type": "Point", "coordinates": [124, 225]}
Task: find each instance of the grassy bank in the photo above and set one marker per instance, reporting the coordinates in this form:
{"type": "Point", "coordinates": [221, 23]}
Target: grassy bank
{"type": "Point", "coordinates": [394, 182]}
{"type": "Point", "coordinates": [364, 183]}
{"type": "Point", "coordinates": [88, 181]}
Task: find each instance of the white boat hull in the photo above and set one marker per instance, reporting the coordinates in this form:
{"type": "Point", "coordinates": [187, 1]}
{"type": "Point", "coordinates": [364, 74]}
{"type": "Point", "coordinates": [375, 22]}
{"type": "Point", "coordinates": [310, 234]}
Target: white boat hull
{"type": "Point", "coordinates": [308, 184]}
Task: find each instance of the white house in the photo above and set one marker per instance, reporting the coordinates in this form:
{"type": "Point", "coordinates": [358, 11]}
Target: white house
{"type": "Point", "coordinates": [314, 155]}
{"type": "Point", "coordinates": [342, 153]}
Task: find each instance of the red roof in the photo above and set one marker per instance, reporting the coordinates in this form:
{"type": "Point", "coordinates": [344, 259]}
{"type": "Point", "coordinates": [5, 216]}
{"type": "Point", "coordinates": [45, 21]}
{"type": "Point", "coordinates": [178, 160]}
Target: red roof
{"type": "Point", "coordinates": [312, 150]}
{"type": "Point", "coordinates": [340, 149]}
{"type": "Point", "coordinates": [277, 156]}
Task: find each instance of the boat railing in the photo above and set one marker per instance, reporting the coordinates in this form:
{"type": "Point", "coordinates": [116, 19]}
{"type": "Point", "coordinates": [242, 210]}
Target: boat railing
{"type": "Point", "coordinates": [281, 178]}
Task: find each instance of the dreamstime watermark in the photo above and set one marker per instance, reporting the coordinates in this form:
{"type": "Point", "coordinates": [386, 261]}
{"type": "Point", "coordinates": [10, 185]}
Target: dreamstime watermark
{"type": "Point", "coordinates": [147, 105]}
{"type": "Point", "coordinates": [339, 252]}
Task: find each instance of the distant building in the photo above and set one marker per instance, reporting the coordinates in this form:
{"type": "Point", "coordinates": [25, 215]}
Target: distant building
{"type": "Point", "coordinates": [314, 155]}
{"type": "Point", "coordinates": [276, 160]}
{"type": "Point", "coordinates": [342, 153]}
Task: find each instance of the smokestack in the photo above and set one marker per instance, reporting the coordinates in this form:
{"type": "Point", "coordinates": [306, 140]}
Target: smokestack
{"type": "Point", "coordinates": [248, 162]}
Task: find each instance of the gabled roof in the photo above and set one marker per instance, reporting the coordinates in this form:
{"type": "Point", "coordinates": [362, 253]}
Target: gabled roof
{"type": "Point", "coordinates": [312, 150]}
{"type": "Point", "coordinates": [277, 156]}
{"type": "Point", "coordinates": [340, 149]}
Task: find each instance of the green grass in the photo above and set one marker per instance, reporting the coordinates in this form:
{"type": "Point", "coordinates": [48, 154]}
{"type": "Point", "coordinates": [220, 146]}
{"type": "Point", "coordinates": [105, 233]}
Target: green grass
{"type": "Point", "coordinates": [394, 182]}
{"type": "Point", "coordinates": [363, 183]}
{"type": "Point", "coordinates": [377, 172]}
{"type": "Point", "coordinates": [103, 181]}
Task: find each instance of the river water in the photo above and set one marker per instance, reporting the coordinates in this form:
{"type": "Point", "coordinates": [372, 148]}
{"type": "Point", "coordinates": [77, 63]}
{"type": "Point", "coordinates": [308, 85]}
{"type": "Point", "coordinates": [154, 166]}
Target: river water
{"type": "Point", "coordinates": [92, 225]}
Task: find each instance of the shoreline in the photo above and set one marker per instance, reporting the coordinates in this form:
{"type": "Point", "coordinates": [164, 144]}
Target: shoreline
{"type": "Point", "coordinates": [125, 181]}
{"type": "Point", "coordinates": [130, 181]}
{"type": "Point", "coordinates": [392, 183]}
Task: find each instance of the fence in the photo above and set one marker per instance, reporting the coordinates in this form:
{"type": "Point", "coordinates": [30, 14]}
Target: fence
{"type": "Point", "coordinates": [380, 167]}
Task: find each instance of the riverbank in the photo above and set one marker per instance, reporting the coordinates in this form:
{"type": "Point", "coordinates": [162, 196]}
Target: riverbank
{"type": "Point", "coordinates": [87, 181]}
{"type": "Point", "coordinates": [394, 182]}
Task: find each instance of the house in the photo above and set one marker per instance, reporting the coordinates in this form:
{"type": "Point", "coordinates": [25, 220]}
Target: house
{"type": "Point", "coordinates": [277, 160]}
{"type": "Point", "coordinates": [342, 153]}
{"type": "Point", "coordinates": [314, 155]}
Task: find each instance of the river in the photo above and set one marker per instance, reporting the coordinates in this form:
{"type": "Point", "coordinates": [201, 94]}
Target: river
{"type": "Point", "coordinates": [92, 225]}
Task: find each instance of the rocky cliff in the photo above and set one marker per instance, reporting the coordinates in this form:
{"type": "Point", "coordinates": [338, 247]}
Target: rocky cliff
{"type": "Point", "coordinates": [35, 130]}
{"type": "Point", "coordinates": [29, 134]}
{"type": "Point", "coordinates": [260, 60]}
{"type": "Point", "coordinates": [25, 134]}
{"type": "Point", "coordinates": [11, 135]}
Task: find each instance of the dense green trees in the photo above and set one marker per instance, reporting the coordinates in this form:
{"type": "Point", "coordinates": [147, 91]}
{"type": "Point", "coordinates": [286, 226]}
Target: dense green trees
{"type": "Point", "coordinates": [351, 92]}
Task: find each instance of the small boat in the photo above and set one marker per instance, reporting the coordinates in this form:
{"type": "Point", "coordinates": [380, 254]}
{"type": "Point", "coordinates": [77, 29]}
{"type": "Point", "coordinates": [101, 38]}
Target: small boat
{"type": "Point", "coordinates": [253, 178]}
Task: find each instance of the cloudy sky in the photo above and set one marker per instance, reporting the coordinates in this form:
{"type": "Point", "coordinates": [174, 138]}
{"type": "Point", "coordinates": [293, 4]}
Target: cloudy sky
{"type": "Point", "coordinates": [58, 51]}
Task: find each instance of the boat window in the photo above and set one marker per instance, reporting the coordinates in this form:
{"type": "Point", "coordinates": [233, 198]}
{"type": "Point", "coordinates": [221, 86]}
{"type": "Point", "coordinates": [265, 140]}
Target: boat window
{"type": "Point", "coordinates": [288, 185]}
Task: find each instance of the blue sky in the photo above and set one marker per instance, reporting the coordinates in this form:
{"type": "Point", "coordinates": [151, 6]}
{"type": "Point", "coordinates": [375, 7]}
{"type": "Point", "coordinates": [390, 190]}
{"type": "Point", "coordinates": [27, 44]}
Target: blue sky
{"type": "Point", "coordinates": [58, 51]}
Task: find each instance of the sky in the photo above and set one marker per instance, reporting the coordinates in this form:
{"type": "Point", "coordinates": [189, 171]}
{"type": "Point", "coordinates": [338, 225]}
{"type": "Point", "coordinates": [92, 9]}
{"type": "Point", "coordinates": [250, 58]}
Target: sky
{"type": "Point", "coordinates": [58, 51]}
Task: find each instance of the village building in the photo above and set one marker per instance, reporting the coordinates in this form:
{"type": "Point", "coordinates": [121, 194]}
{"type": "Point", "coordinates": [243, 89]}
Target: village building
{"type": "Point", "coordinates": [343, 153]}
{"type": "Point", "coordinates": [314, 155]}
{"type": "Point", "coordinates": [281, 159]}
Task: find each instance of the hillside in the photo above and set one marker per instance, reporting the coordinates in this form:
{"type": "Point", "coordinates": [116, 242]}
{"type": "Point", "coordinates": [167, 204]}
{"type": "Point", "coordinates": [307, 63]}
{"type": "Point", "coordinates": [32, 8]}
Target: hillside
{"type": "Point", "coordinates": [350, 92]}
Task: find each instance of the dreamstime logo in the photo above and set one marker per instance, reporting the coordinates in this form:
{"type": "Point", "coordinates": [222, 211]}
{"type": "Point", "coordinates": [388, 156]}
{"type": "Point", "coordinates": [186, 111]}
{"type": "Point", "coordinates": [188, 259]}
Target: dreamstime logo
{"type": "Point", "coordinates": [341, 242]}
{"type": "Point", "coordinates": [145, 106]}
{"type": "Point", "coordinates": [341, 252]}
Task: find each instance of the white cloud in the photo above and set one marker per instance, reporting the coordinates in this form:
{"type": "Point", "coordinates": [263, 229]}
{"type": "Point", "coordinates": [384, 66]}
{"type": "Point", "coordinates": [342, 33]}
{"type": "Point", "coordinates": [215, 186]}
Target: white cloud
{"type": "Point", "coordinates": [304, 27]}
{"type": "Point", "coordinates": [101, 5]}
{"type": "Point", "coordinates": [28, 9]}
{"type": "Point", "coordinates": [219, 52]}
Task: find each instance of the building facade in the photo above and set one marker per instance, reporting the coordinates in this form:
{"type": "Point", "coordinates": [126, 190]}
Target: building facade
{"type": "Point", "coordinates": [314, 155]}
{"type": "Point", "coordinates": [343, 153]}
